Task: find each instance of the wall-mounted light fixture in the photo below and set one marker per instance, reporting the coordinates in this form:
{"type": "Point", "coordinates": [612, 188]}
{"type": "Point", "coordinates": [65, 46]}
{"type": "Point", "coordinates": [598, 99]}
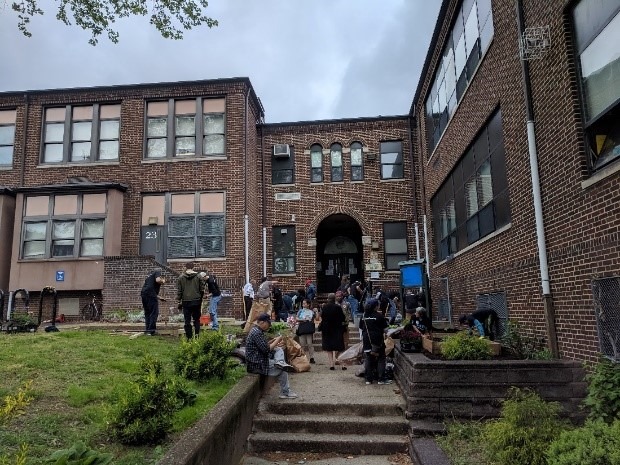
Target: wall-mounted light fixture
{"type": "Point", "coordinates": [153, 220]}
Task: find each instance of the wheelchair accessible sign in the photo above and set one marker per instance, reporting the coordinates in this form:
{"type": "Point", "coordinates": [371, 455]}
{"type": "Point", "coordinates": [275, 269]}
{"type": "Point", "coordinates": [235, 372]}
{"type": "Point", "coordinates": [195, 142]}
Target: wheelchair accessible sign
{"type": "Point", "coordinates": [60, 276]}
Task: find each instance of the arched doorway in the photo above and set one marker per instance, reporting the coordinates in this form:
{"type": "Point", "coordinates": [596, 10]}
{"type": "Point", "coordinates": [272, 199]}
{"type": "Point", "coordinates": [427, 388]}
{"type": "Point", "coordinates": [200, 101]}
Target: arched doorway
{"type": "Point", "coordinates": [339, 251]}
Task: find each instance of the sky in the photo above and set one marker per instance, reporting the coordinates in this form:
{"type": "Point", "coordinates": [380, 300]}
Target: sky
{"type": "Point", "coordinates": [306, 59]}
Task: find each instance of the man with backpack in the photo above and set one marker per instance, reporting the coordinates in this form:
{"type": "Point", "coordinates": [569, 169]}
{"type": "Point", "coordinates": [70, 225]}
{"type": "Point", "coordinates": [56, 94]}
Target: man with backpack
{"type": "Point", "coordinates": [189, 295]}
{"type": "Point", "coordinates": [215, 296]}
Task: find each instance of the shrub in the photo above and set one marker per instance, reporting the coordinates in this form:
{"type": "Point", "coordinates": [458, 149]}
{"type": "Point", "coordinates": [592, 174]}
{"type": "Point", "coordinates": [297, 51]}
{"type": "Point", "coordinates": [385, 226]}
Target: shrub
{"type": "Point", "coordinates": [204, 357]}
{"type": "Point", "coordinates": [596, 443]}
{"type": "Point", "coordinates": [20, 458]}
{"type": "Point", "coordinates": [523, 433]}
{"type": "Point", "coordinates": [144, 412]}
{"type": "Point", "coordinates": [463, 346]}
{"type": "Point", "coordinates": [524, 347]}
{"type": "Point", "coordinates": [14, 405]}
{"type": "Point", "coordinates": [603, 397]}
{"type": "Point", "coordinates": [79, 454]}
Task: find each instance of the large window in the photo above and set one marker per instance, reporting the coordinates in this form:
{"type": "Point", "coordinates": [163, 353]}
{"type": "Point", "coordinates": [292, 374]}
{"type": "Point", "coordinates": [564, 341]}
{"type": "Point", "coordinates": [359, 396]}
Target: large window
{"type": "Point", "coordinates": [283, 249]}
{"type": "Point", "coordinates": [357, 162]}
{"type": "Point", "coordinates": [196, 225]}
{"type": "Point", "coordinates": [473, 201]}
{"type": "Point", "coordinates": [186, 128]}
{"type": "Point", "coordinates": [316, 163]}
{"type": "Point", "coordinates": [392, 160]}
{"type": "Point", "coordinates": [394, 244]}
{"type": "Point", "coordinates": [336, 162]}
{"type": "Point", "coordinates": [63, 226]}
{"type": "Point", "coordinates": [283, 168]}
{"type": "Point", "coordinates": [78, 134]}
{"type": "Point", "coordinates": [469, 38]}
{"type": "Point", "coordinates": [597, 25]}
{"type": "Point", "coordinates": [7, 136]}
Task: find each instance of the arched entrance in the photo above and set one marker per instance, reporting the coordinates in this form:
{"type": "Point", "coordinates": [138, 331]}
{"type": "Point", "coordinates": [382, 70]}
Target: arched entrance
{"type": "Point", "coordinates": [339, 251]}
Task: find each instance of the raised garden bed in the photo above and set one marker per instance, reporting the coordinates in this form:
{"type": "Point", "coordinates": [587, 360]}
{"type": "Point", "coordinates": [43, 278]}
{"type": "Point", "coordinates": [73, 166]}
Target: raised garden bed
{"type": "Point", "coordinates": [433, 344]}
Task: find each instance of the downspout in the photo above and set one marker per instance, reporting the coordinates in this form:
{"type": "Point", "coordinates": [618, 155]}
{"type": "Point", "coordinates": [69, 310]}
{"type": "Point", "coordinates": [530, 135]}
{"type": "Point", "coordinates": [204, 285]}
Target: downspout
{"type": "Point", "coordinates": [22, 172]}
{"type": "Point", "coordinates": [246, 222]}
{"type": "Point", "coordinates": [538, 212]}
{"type": "Point", "coordinates": [413, 183]}
{"type": "Point", "coordinates": [263, 208]}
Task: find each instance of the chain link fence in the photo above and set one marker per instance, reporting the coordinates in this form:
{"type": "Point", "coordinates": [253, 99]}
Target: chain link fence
{"type": "Point", "coordinates": [442, 305]}
{"type": "Point", "coordinates": [606, 294]}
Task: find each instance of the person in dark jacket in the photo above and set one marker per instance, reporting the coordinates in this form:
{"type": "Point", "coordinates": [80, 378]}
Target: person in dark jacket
{"type": "Point", "coordinates": [373, 327]}
{"type": "Point", "coordinates": [485, 322]}
{"type": "Point", "coordinates": [189, 295]}
{"type": "Point", "coordinates": [332, 326]}
{"type": "Point", "coordinates": [215, 296]}
{"type": "Point", "coordinates": [150, 300]}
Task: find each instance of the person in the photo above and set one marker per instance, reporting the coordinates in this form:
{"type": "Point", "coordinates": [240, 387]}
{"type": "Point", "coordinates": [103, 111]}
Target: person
{"type": "Point", "coordinates": [355, 294]}
{"type": "Point", "coordinates": [411, 303]}
{"type": "Point", "coordinates": [258, 355]}
{"type": "Point", "coordinates": [306, 328]}
{"type": "Point", "coordinates": [248, 297]}
{"type": "Point", "coordinates": [332, 327]}
{"type": "Point", "coordinates": [310, 290]}
{"type": "Point", "coordinates": [373, 327]}
{"type": "Point", "coordinates": [263, 294]}
{"type": "Point", "coordinates": [279, 313]}
{"type": "Point", "coordinates": [189, 295]}
{"type": "Point", "coordinates": [215, 295]}
{"type": "Point", "coordinates": [346, 309]}
{"type": "Point", "coordinates": [422, 321]}
{"type": "Point", "coordinates": [484, 320]}
{"type": "Point", "coordinates": [150, 301]}
{"type": "Point", "coordinates": [344, 285]}
{"type": "Point", "coordinates": [393, 299]}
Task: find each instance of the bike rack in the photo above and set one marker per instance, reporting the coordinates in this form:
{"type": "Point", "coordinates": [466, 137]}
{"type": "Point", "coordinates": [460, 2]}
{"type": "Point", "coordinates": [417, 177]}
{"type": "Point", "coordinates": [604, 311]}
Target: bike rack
{"type": "Point", "coordinates": [11, 309]}
{"type": "Point", "coordinates": [49, 290]}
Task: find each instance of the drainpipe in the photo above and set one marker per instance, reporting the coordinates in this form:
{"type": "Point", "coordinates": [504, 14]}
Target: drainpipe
{"type": "Point", "coordinates": [22, 172]}
{"type": "Point", "coordinates": [538, 212]}
{"type": "Point", "coordinates": [263, 207]}
{"type": "Point", "coordinates": [413, 183]}
{"type": "Point", "coordinates": [245, 192]}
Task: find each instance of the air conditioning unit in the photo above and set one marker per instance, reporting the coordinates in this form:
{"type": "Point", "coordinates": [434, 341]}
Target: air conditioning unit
{"type": "Point", "coordinates": [281, 151]}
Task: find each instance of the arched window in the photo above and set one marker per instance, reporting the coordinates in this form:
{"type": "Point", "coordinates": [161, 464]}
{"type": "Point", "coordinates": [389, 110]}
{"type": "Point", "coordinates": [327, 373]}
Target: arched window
{"type": "Point", "coordinates": [336, 160]}
{"type": "Point", "coordinates": [316, 163]}
{"type": "Point", "coordinates": [357, 162]}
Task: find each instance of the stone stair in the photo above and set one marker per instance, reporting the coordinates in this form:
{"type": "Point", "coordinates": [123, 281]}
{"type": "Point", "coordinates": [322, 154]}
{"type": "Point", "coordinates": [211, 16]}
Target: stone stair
{"type": "Point", "coordinates": [354, 337]}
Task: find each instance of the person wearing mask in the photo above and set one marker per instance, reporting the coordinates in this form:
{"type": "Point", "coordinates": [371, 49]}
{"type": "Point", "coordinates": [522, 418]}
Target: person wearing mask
{"type": "Point", "coordinates": [150, 301]}
{"type": "Point", "coordinates": [189, 296]}
{"type": "Point", "coordinates": [373, 326]}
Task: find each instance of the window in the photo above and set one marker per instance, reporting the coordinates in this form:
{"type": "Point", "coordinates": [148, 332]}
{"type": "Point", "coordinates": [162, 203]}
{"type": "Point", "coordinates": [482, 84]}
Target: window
{"type": "Point", "coordinates": [470, 36]}
{"type": "Point", "coordinates": [357, 166]}
{"type": "Point", "coordinates": [78, 134]}
{"type": "Point", "coordinates": [316, 163]}
{"type": "Point", "coordinates": [196, 128]}
{"type": "Point", "coordinates": [283, 168]}
{"type": "Point", "coordinates": [392, 160]}
{"type": "Point", "coordinates": [394, 244]}
{"type": "Point", "coordinates": [597, 24]}
{"type": "Point", "coordinates": [473, 201]}
{"type": "Point", "coordinates": [336, 161]}
{"type": "Point", "coordinates": [196, 225]}
{"type": "Point", "coordinates": [283, 249]}
{"type": "Point", "coordinates": [64, 226]}
{"type": "Point", "coordinates": [7, 136]}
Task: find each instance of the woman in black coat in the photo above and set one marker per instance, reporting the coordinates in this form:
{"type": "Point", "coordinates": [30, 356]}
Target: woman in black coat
{"type": "Point", "coordinates": [332, 327]}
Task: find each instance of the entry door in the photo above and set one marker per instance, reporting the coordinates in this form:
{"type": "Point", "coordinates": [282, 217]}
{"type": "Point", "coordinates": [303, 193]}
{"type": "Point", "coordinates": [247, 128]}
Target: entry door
{"type": "Point", "coordinates": [341, 264]}
{"type": "Point", "coordinates": [152, 242]}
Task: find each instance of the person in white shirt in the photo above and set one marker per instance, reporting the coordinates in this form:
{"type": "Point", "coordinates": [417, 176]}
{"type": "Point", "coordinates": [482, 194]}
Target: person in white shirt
{"type": "Point", "coordinates": [248, 297]}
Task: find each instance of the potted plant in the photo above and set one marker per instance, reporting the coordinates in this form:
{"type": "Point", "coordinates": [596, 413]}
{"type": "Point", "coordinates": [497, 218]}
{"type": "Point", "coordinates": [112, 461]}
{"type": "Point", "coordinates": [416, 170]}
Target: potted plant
{"type": "Point", "coordinates": [410, 339]}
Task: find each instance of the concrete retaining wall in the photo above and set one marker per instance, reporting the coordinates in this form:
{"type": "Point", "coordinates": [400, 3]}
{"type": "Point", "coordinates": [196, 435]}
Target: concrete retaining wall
{"type": "Point", "coordinates": [220, 437]}
{"type": "Point", "coordinates": [476, 389]}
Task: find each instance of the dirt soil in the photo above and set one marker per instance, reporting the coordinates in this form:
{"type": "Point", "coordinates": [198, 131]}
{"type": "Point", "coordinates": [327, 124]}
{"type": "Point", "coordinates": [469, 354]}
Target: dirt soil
{"type": "Point", "coordinates": [299, 457]}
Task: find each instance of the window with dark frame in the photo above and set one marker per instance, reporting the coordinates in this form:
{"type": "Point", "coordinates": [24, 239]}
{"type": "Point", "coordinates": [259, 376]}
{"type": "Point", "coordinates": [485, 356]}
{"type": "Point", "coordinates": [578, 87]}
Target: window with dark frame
{"type": "Point", "coordinates": [357, 162]}
{"type": "Point", "coordinates": [81, 133]}
{"type": "Point", "coordinates": [316, 163]}
{"type": "Point", "coordinates": [596, 25]}
{"type": "Point", "coordinates": [69, 233]}
{"type": "Point", "coordinates": [186, 128]}
{"type": "Point", "coordinates": [283, 168]}
{"type": "Point", "coordinates": [7, 136]}
{"type": "Point", "coordinates": [469, 38]}
{"type": "Point", "coordinates": [394, 244]}
{"type": "Point", "coordinates": [283, 249]}
{"type": "Point", "coordinates": [473, 201]}
{"type": "Point", "coordinates": [335, 153]}
{"type": "Point", "coordinates": [392, 160]}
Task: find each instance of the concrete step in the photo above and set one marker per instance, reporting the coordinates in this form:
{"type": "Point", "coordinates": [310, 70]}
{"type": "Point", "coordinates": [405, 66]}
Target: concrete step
{"type": "Point", "coordinates": [353, 444]}
{"type": "Point", "coordinates": [426, 428]}
{"type": "Point", "coordinates": [335, 424]}
{"type": "Point", "coordinates": [354, 410]}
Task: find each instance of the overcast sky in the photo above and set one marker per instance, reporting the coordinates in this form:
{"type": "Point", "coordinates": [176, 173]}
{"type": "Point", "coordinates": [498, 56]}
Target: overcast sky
{"type": "Point", "coordinates": [307, 59]}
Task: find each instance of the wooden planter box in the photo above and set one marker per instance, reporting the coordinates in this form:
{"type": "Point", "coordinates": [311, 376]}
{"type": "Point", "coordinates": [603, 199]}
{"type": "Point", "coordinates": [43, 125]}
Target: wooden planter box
{"type": "Point", "coordinates": [434, 345]}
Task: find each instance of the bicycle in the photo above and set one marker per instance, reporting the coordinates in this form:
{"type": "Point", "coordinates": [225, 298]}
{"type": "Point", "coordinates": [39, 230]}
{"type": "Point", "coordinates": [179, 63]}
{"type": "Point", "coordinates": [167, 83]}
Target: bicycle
{"type": "Point", "coordinates": [93, 310]}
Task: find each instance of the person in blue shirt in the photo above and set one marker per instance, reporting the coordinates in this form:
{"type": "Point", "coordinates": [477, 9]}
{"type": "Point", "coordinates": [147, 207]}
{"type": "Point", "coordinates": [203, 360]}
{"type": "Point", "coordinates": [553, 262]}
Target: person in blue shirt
{"type": "Point", "coordinates": [310, 290]}
{"type": "Point", "coordinates": [485, 322]}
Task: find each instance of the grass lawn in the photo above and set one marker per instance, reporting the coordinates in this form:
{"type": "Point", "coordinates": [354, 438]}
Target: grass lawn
{"type": "Point", "coordinates": [76, 376]}
{"type": "Point", "coordinates": [463, 443]}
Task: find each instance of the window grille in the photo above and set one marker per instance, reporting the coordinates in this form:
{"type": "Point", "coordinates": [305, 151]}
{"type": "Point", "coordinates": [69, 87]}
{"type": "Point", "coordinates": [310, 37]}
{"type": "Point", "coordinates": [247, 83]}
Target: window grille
{"type": "Point", "coordinates": [606, 294]}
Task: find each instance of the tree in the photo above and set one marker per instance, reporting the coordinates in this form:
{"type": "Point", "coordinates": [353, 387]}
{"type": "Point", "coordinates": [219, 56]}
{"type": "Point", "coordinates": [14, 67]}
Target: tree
{"type": "Point", "coordinates": [169, 17]}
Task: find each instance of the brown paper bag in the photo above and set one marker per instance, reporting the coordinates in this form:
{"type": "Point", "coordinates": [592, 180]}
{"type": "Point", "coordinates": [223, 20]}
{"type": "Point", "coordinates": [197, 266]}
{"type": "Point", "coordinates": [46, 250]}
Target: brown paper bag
{"type": "Point", "coordinates": [389, 345]}
{"type": "Point", "coordinates": [257, 309]}
{"type": "Point", "coordinates": [300, 363]}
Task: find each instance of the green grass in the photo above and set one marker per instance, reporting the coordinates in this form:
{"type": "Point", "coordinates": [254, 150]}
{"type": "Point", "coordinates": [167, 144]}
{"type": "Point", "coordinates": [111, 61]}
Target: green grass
{"type": "Point", "coordinates": [76, 377]}
{"type": "Point", "coordinates": [463, 443]}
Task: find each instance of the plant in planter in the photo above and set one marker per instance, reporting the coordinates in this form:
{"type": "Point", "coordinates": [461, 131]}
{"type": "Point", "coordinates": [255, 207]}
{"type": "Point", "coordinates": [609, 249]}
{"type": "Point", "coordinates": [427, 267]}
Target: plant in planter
{"type": "Point", "coordinates": [22, 323]}
{"type": "Point", "coordinates": [410, 339]}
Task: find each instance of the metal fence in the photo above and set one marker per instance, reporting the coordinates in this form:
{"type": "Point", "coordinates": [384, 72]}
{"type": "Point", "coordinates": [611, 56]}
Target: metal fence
{"type": "Point", "coordinates": [606, 294]}
{"type": "Point", "coordinates": [497, 302]}
{"type": "Point", "coordinates": [440, 290]}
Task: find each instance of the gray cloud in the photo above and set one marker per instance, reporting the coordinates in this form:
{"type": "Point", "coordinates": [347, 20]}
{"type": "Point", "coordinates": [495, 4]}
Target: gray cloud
{"type": "Point", "coordinates": [307, 59]}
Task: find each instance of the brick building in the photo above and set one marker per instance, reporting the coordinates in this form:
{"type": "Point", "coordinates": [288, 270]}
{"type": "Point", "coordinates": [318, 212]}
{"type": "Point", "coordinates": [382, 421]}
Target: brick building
{"type": "Point", "coordinates": [99, 185]}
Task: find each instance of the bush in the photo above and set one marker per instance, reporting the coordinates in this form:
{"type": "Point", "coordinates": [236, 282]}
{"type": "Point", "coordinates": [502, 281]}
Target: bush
{"type": "Point", "coordinates": [596, 443]}
{"type": "Point", "coordinates": [144, 412]}
{"type": "Point", "coordinates": [522, 346]}
{"type": "Point", "coordinates": [204, 357]}
{"type": "Point", "coordinates": [523, 433]}
{"type": "Point", "coordinates": [14, 405]}
{"type": "Point", "coordinates": [463, 346]}
{"type": "Point", "coordinates": [603, 397]}
{"type": "Point", "coordinates": [79, 454]}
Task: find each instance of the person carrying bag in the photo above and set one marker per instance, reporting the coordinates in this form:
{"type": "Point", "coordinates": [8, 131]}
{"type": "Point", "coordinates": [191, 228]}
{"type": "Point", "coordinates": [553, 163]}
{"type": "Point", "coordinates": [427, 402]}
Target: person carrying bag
{"type": "Point", "coordinates": [306, 328]}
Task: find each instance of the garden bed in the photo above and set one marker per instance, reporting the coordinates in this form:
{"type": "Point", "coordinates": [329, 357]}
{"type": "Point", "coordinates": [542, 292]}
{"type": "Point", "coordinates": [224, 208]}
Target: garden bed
{"type": "Point", "coordinates": [433, 344]}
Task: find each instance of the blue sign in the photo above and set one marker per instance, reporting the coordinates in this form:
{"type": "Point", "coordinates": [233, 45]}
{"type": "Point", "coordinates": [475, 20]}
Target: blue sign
{"type": "Point", "coordinates": [412, 273]}
{"type": "Point", "coordinates": [60, 276]}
